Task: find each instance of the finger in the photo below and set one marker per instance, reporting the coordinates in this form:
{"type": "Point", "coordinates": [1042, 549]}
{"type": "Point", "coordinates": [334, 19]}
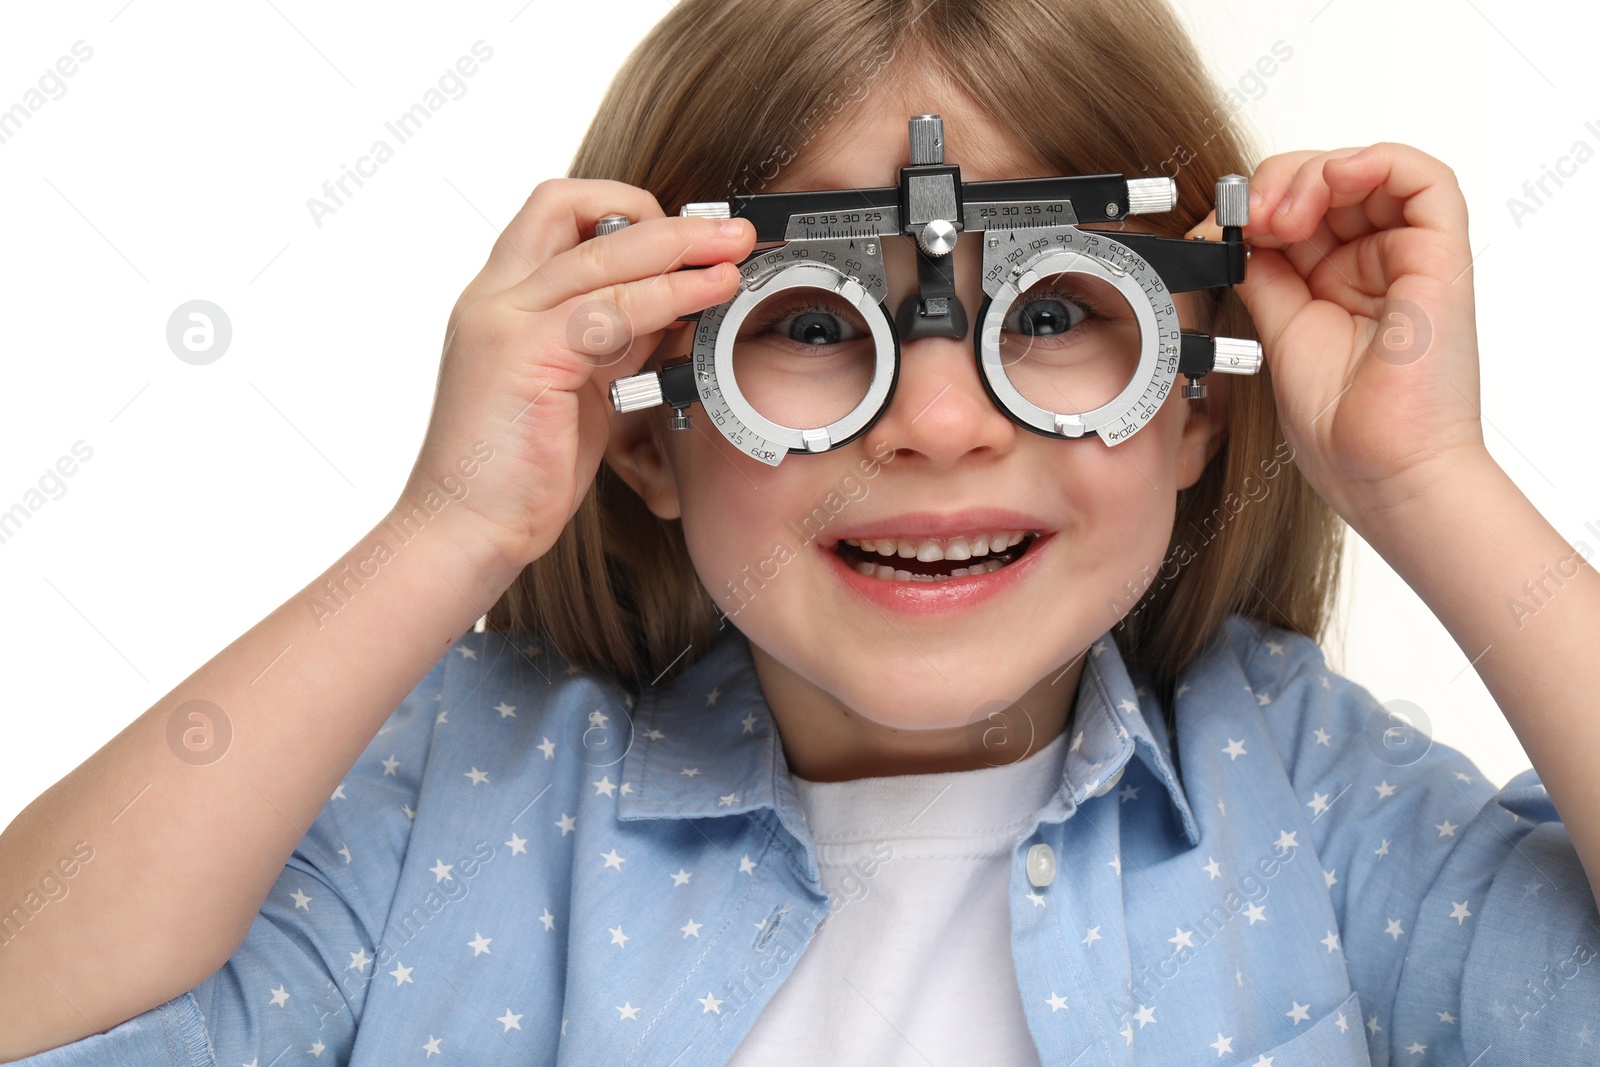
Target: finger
{"type": "Point", "coordinates": [1301, 206]}
{"type": "Point", "coordinates": [1268, 184]}
{"type": "Point", "coordinates": [1387, 176]}
{"type": "Point", "coordinates": [557, 215]}
{"type": "Point", "coordinates": [628, 317]}
{"type": "Point", "coordinates": [1273, 292]}
{"type": "Point", "coordinates": [652, 249]}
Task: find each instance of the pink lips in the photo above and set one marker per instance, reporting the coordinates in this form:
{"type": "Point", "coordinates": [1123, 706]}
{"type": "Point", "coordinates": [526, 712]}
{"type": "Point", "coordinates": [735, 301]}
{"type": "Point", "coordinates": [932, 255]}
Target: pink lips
{"type": "Point", "coordinates": [931, 524]}
{"type": "Point", "coordinates": [952, 594]}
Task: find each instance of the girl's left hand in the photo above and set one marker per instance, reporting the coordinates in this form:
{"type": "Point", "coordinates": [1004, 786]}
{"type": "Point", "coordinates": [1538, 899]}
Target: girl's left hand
{"type": "Point", "coordinates": [1360, 288]}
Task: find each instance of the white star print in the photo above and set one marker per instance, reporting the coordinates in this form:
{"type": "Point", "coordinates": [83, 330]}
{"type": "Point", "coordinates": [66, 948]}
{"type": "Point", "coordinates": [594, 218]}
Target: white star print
{"type": "Point", "coordinates": [617, 936]}
{"type": "Point", "coordinates": [711, 697]}
{"type": "Point", "coordinates": [1329, 878]}
{"type": "Point", "coordinates": [441, 870]}
{"type": "Point", "coordinates": [1322, 736]}
{"type": "Point", "coordinates": [1464, 777]}
{"type": "Point", "coordinates": [1446, 828]}
{"type": "Point", "coordinates": [317, 1049]}
{"type": "Point", "coordinates": [1263, 699]}
{"type": "Point", "coordinates": [1235, 749]}
{"type": "Point", "coordinates": [358, 961]}
{"type": "Point", "coordinates": [1332, 941]}
{"type": "Point", "coordinates": [441, 718]}
{"type": "Point", "coordinates": [1459, 912]}
{"type": "Point", "coordinates": [1127, 705]}
{"type": "Point", "coordinates": [691, 928]}
{"type": "Point", "coordinates": [1184, 939]}
{"type": "Point", "coordinates": [1127, 1033]}
{"type": "Point", "coordinates": [1255, 913]}
{"type": "Point", "coordinates": [506, 710]}
{"type": "Point", "coordinates": [1144, 1016]}
{"type": "Point", "coordinates": [627, 787]}
{"type": "Point", "coordinates": [709, 1002]}
{"type": "Point", "coordinates": [1383, 849]}
{"type": "Point", "coordinates": [1035, 898]}
{"type": "Point", "coordinates": [682, 877]}
{"type": "Point", "coordinates": [1212, 867]}
{"type": "Point", "coordinates": [432, 1047]}
{"type": "Point", "coordinates": [1372, 1024]}
{"type": "Point", "coordinates": [510, 1022]}
{"type": "Point", "coordinates": [408, 811]}
{"type": "Point", "coordinates": [1099, 647]}
{"type": "Point", "coordinates": [1318, 802]}
{"type": "Point", "coordinates": [1394, 929]}
{"type": "Point", "coordinates": [345, 852]}
{"type": "Point", "coordinates": [727, 800]}
{"type": "Point", "coordinates": [338, 793]}
{"type": "Point", "coordinates": [1091, 935]}
{"type": "Point", "coordinates": [1262, 1060]}
{"type": "Point", "coordinates": [1385, 790]}
{"type": "Point", "coordinates": [690, 772]}
{"type": "Point", "coordinates": [548, 747]}
{"type": "Point", "coordinates": [605, 786]}
{"type": "Point", "coordinates": [598, 718]}
{"type": "Point", "coordinates": [1077, 742]}
{"type": "Point", "coordinates": [1116, 864]}
{"type": "Point", "coordinates": [280, 996]}
{"type": "Point", "coordinates": [1445, 1017]}
{"type": "Point", "coordinates": [654, 734]}
{"type": "Point", "coordinates": [301, 900]}
{"type": "Point", "coordinates": [1128, 792]}
{"type": "Point", "coordinates": [1414, 1048]}
{"type": "Point", "coordinates": [1342, 1023]}
{"type": "Point", "coordinates": [401, 974]}
{"type": "Point", "coordinates": [749, 722]}
{"type": "Point", "coordinates": [519, 845]}
{"type": "Point", "coordinates": [567, 824]}
{"type": "Point", "coordinates": [1274, 648]}
{"type": "Point", "coordinates": [479, 944]}
{"type": "Point", "coordinates": [1056, 1002]}
{"type": "Point", "coordinates": [1286, 840]}
{"type": "Point", "coordinates": [612, 859]}
{"type": "Point", "coordinates": [1222, 1044]}
{"type": "Point", "coordinates": [478, 777]}
{"type": "Point", "coordinates": [746, 865]}
{"type": "Point", "coordinates": [389, 764]}
{"type": "Point", "coordinates": [1182, 689]}
{"type": "Point", "coordinates": [627, 1011]}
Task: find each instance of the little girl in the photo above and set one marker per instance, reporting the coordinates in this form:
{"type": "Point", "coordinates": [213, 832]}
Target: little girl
{"type": "Point", "coordinates": [715, 787]}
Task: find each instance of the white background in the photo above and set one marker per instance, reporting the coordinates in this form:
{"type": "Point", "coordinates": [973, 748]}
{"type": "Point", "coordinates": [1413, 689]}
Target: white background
{"type": "Point", "coordinates": [177, 166]}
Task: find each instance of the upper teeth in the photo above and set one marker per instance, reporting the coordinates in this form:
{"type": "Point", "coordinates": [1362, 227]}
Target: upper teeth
{"type": "Point", "coordinates": [930, 550]}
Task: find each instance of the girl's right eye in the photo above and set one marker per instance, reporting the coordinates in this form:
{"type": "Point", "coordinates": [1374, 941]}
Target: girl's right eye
{"type": "Point", "coordinates": [805, 323]}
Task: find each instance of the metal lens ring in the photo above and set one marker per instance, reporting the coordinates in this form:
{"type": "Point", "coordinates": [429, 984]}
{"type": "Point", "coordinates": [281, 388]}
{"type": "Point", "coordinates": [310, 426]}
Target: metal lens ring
{"type": "Point", "coordinates": [713, 357]}
{"type": "Point", "coordinates": [1071, 250]}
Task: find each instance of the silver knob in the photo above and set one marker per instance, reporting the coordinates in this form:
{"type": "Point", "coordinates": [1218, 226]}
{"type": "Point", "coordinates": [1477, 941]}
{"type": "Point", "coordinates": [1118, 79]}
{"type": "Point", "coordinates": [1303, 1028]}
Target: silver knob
{"type": "Point", "coordinates": [636, 392]}
{"type": "Point", "coordinates": [1147, 196]}
{"type": "Point", "coordinates": [1233, 200]}
{"type": "Point", "coordinates": [610, 224]}
{"type": "Point", "coordinates": [938, 237]}
{"type": "Point", "coordinates": [1234, 355]}
{"type": "Point", "coordinates": [927, 139]}
{"type": "Point", "coordinates": [706, 209]}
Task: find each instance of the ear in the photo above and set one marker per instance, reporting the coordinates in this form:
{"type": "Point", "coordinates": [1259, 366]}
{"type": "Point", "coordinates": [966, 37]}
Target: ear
{"type": "Point", "coordinates": [636, 452]}
{"type": "Point", "coordinates": [1204, 428]}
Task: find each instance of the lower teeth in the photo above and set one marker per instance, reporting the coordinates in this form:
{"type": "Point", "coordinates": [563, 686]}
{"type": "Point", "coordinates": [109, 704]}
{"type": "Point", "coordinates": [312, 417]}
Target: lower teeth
{"type": "Point", "coordinates": [878, 570]}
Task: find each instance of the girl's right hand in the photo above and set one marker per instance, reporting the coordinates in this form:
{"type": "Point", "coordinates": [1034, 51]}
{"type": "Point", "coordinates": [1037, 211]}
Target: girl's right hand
{"type": "Point", "coordinates": [535, 341]}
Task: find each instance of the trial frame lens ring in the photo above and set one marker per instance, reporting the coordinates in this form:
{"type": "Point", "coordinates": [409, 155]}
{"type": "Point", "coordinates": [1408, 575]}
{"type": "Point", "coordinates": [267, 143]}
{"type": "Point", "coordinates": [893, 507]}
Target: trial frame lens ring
{"type": "Point", "coordinates": [1123, 413]}
{"type": "Point", "coordinates": [886, 348]}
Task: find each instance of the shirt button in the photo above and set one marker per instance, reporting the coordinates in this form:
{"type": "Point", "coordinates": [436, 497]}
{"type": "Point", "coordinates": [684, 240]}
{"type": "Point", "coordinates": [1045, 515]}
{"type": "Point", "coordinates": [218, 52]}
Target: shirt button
{"type": "Point", "coordinates": [1110, 783]}
{"type": "Point", "coordinates": [1041, 865]}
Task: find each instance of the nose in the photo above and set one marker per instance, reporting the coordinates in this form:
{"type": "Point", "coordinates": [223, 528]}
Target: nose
{"type": "Point", "coordinates": [940, 407]}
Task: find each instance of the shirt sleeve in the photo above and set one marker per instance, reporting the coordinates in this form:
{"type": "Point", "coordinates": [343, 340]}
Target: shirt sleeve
{"type": "Point", "coordinates": [298, 981]}
{"type": "Point", "coordinates": [1466, 920]}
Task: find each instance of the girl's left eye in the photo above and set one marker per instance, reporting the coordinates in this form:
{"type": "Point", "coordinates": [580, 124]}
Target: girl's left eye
{"type": "Point", "coordinates": [1048, 313]}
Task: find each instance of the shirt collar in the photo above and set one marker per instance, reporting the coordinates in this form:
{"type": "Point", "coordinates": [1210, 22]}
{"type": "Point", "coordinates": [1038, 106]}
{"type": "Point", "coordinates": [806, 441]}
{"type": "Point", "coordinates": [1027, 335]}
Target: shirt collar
{"type": "Point", "coordinates": [705, 744]}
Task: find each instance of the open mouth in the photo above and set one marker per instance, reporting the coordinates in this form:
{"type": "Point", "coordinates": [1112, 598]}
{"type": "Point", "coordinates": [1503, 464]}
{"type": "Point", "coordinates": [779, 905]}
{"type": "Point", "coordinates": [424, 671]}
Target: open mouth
{"type": "Point", "coordinates": [865, 558]}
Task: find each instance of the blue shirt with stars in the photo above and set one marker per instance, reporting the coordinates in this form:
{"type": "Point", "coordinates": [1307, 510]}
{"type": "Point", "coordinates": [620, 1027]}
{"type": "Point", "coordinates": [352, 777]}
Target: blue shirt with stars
{"type": "Point", "coordinates": [525, 867]}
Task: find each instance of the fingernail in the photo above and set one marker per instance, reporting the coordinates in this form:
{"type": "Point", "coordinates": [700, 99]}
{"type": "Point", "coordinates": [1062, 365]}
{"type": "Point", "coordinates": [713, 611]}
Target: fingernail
{"type": "Point", "coordinates": [730, 227]}
{"type": "Point", "coordinates": [1284, 205]}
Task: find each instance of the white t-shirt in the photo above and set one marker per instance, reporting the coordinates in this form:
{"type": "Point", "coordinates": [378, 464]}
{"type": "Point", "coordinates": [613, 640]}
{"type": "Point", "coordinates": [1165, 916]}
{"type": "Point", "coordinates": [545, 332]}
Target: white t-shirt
{"type": "Point", "coordinates": [913, 967]}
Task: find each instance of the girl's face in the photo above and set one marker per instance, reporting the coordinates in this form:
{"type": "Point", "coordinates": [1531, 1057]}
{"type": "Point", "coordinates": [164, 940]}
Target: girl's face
{"type": "Point", "coordinates": [899, 677]}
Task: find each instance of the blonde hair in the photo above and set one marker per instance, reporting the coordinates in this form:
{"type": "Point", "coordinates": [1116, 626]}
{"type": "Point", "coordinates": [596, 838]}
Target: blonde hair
{"type": "Point", "coordinates": [721, 93]}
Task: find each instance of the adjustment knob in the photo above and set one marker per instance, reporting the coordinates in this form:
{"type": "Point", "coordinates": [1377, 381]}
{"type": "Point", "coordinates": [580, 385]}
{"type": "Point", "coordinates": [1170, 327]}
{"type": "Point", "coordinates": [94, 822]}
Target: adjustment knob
{"type": "Point", "coordinates": [705, 209]}
{"type": "Point", "coordinates": [610, 224]}
{"type": "Point", "coordinates": [1233, 200]}
{"type": "Point", "coordinates": [1234, 355]}
{"type": "Point", "coordinates": [938, 237]}
{"type": "Point", "coordinates": [1147, 196]}
{"type": "Point", "coordinates": [927, 139]}
{"type": "Point", "coordinates": [636, 392]}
